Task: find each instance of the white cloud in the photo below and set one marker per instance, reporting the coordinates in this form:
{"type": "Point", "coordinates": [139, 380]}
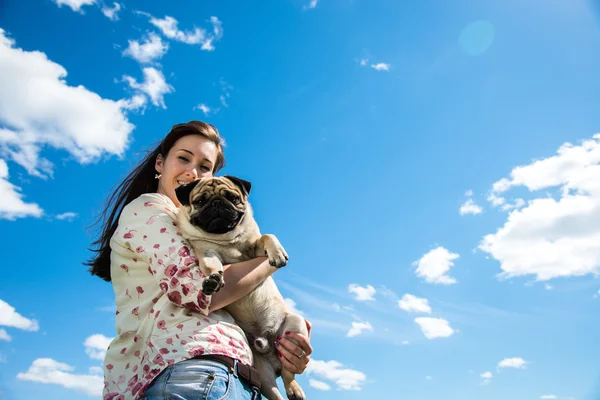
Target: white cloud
{"type": "Point", "coordinates": [405, 342]}
{"type": "Point", "coordinates": [487, 377]}
{"type": "Point", "coordinates": [169, 27]}
{"type": "Point", "coordinates": [548, 397]}
{"type": "Point", "coordinates": [12, 205]}
{"type": "Point", "coordinates": [333, 371]}
{"type": "Point", "coordinates": [381, 66]}
{"type": "Point", "coordinates": [47, 370]}
{"type": "Point", "coordinates": [154, 86]}
{"type": "Point", "coordinates": [96, 346]}
{"type": "Point", "coordinates": [358, 328]}
{"type": "Point", "coordinates": [312, 4]}
{"type": "Point", "coordinates": [434, 265]}
{"type": "Point", "coordinates": [9, 317]}
{"type": "Point", "coordinates": [75, 4]}
{"type": "Point", "coordinates": [364, 61]}
{"type": "Point", "coordinates": [151, 48]}
{"type": "Point", "coordinates": [519, 203]}
{"type": "Point", "coordinates": [112, 12]}
{"type": "Point", "coordinates": [434, 327]}
{"type": "Point", "coordinates": [4, 335]}
{"type": "Point", "coordinates": [291, 305]}
{"type": "Point", "coordinates": [204, 108]}
{"type": "Point", "coordinates": [96, 370]}
{"type": "Point", "coordinates": [469, 207]}
{"type": "Point", "coordinates": [515, 362]}
{"type": "Point", "coordinates": [469, 193]}
{"type": "Point", "coordinates": [69, 216]}
{"type": "Point", "coordinates": [318, 384]}
{"type": "Point", "coordinates": [411, 303]}
{"type": "Point", "coordinates": [362, 293]}
{"type": "Point", "coordinates": [552, 237]}
{"type": "Point", "coordinates": [38, 109]}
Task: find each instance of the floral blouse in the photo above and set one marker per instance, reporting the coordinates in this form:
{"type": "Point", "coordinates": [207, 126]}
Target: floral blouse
{"type": "Point", "coordinates": [162, 315]}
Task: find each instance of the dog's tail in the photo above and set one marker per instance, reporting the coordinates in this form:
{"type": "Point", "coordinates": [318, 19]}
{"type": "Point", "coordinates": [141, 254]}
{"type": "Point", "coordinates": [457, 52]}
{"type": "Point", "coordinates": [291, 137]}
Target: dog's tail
{"type": "Point", "coordinates": [261, 345]}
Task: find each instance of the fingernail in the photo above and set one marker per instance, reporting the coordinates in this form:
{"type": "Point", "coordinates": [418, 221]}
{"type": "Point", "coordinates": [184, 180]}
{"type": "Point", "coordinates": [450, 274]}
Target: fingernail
{"type": "Point", "coordinates": [287, 333]}
{"type": "Point", "coordinates": [279, 354]}
{"type": "Point", "coordinates": [278, 337]}
{"type": "Point", "coordinates": [276, 343]}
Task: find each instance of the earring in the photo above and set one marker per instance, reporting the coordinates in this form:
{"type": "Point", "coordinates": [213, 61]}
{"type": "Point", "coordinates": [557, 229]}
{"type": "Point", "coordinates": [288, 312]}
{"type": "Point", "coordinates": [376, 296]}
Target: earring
{"type": "Point", "coordinates": [157, 176]}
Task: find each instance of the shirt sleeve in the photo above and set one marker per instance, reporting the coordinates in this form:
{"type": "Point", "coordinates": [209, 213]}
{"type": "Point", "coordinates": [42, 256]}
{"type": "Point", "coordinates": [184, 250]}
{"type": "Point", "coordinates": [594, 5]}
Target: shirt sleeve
{"type": "Point", "coordinates": [151, 232]}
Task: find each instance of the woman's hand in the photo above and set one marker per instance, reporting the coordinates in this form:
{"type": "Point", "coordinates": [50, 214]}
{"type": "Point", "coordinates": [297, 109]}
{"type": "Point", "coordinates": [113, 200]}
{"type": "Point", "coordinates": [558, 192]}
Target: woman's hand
{"type": "Point", "coordinates": [295, 357]}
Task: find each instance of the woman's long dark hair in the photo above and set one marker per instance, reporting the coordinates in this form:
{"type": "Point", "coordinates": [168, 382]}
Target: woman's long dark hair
{"type": "Point", "coordinates": [139, 181]}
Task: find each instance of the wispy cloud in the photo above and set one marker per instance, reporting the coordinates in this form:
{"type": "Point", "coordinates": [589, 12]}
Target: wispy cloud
{"type": "Point", "coordinates": [204, 108]}
{"type": "Point", "coordinates": [146, 50]}
{"type": "Point", "coordinates": [75, 5]}
{"type": "Point", "coordinates": [312, 4]}
{"type": "Point", "coordinates": [487, 377]}
{"type": "Point", "coordinates": [69, 216]}
{"type": "Point", "coordinates": [358, 328]}
{"type": "Point", "coordinates": [515, 362]}
{"type": "Point", "coordinates": [319, 385]}
{"type": "Point", "coordinates": [112, 13]}
{"type": "Point", "coordinates": [154, 86]}
{"type": "Point", "coordinates": [365, 293]}
{"type": "Point", "coordinates": [381, 66]}
{"type": "Point", "coordinates": [4, 335]}
{"type": "Point", "coordinates": [169, 27]}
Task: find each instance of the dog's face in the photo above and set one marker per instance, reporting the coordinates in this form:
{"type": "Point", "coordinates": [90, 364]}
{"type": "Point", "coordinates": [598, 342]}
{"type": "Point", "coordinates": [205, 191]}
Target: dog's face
{"type": "Point", "coordinates": [216, 204]}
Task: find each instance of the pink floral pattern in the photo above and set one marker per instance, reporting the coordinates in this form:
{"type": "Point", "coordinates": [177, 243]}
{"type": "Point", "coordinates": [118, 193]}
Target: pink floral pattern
{"type": "Point", "coordinates": [162, 314]}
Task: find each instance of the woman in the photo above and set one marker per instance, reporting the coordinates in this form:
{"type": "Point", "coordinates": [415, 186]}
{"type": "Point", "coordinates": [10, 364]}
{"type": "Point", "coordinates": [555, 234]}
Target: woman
{"type": "Point", "coordinates": [172, 339]}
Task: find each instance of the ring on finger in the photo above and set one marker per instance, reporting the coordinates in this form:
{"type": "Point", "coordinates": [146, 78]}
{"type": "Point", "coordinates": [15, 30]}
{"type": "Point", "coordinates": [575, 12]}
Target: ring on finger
{"type": "Point", "coordinates": [302, 354]}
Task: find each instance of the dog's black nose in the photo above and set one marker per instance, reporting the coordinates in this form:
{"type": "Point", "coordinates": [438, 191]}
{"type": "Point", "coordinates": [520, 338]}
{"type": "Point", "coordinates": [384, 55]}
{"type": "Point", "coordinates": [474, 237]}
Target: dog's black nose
{"type": "Point", "coordinates": [217, 202]}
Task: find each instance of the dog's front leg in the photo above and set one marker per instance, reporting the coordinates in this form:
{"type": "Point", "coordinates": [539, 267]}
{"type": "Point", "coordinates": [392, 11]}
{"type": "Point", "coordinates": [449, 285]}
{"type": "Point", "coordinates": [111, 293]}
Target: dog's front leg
{"type": "Point", "coordinates": [269, 246]}
{"type": "Point", "coordinates": [212, 267]}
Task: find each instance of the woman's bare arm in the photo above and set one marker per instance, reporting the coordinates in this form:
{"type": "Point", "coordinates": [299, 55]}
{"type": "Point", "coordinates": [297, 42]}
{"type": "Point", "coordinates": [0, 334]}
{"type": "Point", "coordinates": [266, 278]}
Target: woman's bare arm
{"type": "Point", "coordinates": [240, 279]}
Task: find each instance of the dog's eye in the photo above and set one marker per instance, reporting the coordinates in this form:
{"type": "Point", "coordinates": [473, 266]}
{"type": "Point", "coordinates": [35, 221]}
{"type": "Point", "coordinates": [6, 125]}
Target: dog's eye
{"type": "Point", "coordinates": [200, 201]}
{"type": "Point", "coordinates": [234, 198]}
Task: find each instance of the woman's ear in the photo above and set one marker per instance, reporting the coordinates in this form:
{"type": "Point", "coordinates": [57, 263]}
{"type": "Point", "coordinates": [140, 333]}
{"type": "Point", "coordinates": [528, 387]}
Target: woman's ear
{"type": "Point", "coordinates": [158, 165]}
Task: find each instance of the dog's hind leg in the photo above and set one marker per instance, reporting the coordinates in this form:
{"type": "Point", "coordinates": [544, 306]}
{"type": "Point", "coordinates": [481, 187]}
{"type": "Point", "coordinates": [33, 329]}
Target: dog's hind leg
{"type": "Point", "coordinates": [293, 323]}
{"type": "Point", "coordinates": [268, 378]}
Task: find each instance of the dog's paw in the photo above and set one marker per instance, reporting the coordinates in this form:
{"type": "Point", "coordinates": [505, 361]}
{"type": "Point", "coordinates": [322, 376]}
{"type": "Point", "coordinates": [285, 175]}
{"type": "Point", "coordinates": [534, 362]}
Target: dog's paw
{"type": "Point", "coordinates": [277, 255]}
{"type": "Point", "coordinates": [295, 392]}
{"type": "Point", "coordinates": [213, 283]}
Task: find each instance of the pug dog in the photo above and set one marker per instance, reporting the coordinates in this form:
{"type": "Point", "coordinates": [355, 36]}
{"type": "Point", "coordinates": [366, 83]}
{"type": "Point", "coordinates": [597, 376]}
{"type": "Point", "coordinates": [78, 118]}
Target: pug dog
{"type": "Point", "coordinates": [216, 219]}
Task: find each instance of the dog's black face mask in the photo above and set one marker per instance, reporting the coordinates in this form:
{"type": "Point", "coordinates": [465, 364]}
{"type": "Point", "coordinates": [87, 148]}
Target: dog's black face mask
{"type": "Point", "coordinates": [217, 204]}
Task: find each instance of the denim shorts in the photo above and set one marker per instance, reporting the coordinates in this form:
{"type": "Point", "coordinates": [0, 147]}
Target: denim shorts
{"type": "Point", "coordinates": [198, 379]}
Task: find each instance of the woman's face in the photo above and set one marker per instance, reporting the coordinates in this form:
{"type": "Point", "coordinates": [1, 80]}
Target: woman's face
{"type": "Point", "coordinates": [192, 157]}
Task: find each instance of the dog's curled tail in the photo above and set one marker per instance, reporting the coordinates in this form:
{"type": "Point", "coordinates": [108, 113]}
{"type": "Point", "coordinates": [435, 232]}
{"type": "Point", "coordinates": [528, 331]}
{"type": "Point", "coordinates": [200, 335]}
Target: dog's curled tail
{"type": "Point", "coordinates": [261, 345]}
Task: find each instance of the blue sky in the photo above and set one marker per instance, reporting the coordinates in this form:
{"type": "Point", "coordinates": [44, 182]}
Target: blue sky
{"type": "Point", "coordinates": [432, 169]}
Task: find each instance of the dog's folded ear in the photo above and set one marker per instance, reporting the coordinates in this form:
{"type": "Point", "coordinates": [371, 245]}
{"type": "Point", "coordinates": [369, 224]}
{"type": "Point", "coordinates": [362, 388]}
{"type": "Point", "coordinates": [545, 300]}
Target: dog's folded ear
{"type": "Point", "coordinates": [183, 192]}
{"type": "Point", "coordinates": [245, 186]}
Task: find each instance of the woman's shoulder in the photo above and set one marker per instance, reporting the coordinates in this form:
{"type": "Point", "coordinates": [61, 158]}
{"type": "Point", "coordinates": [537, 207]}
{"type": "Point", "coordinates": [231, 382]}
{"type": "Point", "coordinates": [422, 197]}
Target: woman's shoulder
{"type": "Point", "coordinates": [149, 204]}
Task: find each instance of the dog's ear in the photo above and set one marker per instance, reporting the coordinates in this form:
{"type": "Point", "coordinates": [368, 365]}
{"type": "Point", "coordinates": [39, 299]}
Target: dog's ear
{"type": "Point", "coordinates": [245, 186]}
{"type": "Point", "coordinates": [183, 192]}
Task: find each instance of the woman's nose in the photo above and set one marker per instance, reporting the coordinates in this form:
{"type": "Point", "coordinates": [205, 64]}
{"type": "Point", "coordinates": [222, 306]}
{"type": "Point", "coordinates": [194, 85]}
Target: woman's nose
{"type": "Point", "coordinates": [193, 172]}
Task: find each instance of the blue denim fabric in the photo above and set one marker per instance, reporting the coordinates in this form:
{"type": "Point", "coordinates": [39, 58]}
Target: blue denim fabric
{"type": "Point", "coordinates": [199, 379]}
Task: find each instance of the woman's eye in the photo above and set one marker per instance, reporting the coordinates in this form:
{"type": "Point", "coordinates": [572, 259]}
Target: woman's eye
{"type": "Point", "coordinates": [182, 158]}
{"type": "Point", "coordinates": [205, 168]}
